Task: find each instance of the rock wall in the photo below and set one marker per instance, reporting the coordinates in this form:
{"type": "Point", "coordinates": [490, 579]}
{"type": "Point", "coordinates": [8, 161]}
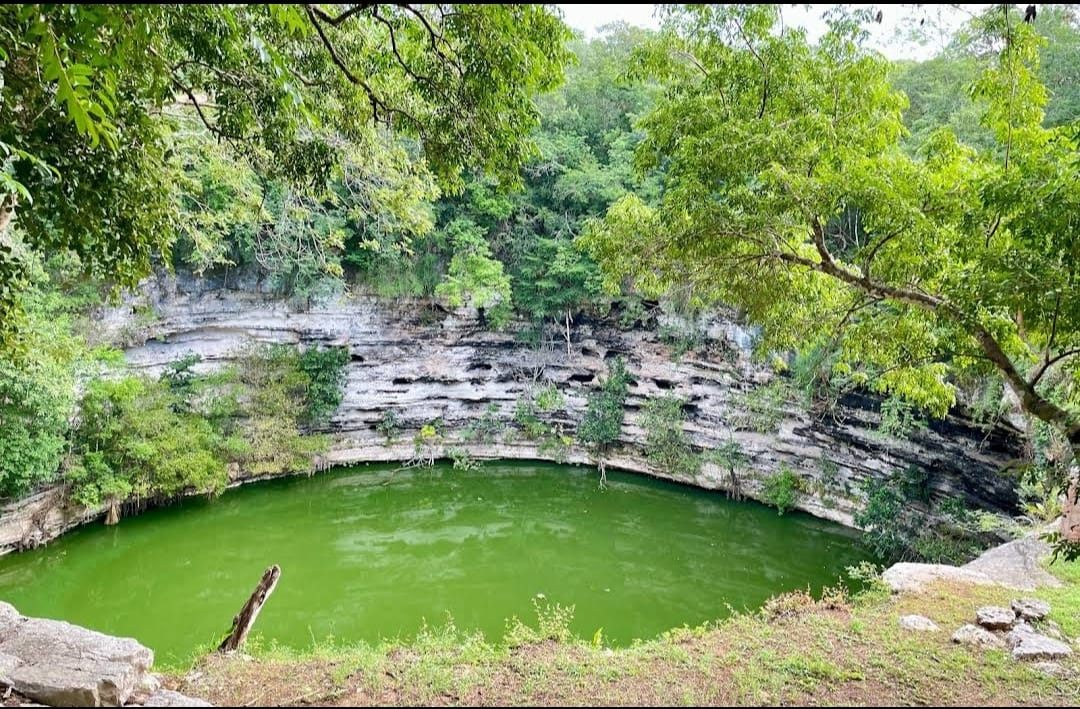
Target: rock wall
{"type": "Point", "coordinates": [426, 363]}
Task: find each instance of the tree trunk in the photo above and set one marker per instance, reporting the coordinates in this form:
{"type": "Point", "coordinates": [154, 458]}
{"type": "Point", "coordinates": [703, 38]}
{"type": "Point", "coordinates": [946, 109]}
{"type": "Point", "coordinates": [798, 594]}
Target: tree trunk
{"type": "Point", "coordinates": [1070, 518]}
{"type": "Point", "coordinates": [113, 515]}
{"type": "Point", "coordinates": [568, 332]}
{"type": "Point", "coordinates": [246, 617]}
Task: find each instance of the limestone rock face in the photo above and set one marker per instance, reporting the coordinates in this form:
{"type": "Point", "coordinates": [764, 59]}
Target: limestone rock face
{"type": "Point", "coordinates": [1017, 564]}
{"type": "Point", "coordinates": [61, 664]}
{"type": "Point", "coordinates": [914, 577]}
{"type": "Point", "coordinates": [995, 617]}
{"type": "Point", "coordinates": [424, 362]}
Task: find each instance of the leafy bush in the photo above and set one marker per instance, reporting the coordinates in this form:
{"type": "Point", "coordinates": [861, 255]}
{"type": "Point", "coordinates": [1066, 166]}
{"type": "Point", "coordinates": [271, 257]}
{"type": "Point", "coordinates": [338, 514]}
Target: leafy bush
{"type": "Point", "coordinates": [896, 531]}
{"type": "Point", "coordinates": [273, 405]}
{"type": "Point", "coordinates": [604, 411]}
{"type": "Point", "coordinates": [132, 442]}
{"type": "Point", "coordinates": [488, 427]}
{"type": "Point", "coordinates": [764, 406]}
{"type": "Point", "coordinates": [782, 489]}
{"type": "Point", "coordinates": [666, 444]}
{"type": "Point", "coordinates": [325, 370]}
{"type": "Point", "coordinates": [388, 424]}
{"type": "Point", "coordinates": [548, 398]}
{"type": "Point", "coordinates": [36, 399]}
{"type": "Point", "coordinates": [463, 460]}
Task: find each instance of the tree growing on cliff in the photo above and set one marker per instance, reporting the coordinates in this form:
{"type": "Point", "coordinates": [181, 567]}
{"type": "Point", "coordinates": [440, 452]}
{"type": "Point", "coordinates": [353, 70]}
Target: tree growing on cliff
{"type": "Point", "coordinates": [90, 96]}
{"type": "Point", "coordinates": [789, 194]}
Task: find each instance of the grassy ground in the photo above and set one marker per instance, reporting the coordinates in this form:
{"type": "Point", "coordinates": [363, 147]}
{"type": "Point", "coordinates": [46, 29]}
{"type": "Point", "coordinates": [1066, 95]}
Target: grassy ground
{"type": "Point", "coordinates": [838, 650]}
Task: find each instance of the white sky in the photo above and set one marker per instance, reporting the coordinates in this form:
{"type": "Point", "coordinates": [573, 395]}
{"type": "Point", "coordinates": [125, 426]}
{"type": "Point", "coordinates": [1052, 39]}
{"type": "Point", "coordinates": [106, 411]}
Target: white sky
{"type": "Point", "coordinates": [885, 37]}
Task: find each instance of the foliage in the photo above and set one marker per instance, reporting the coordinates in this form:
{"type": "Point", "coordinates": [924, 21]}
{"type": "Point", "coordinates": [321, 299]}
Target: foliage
{"type": "Point", "coordinates": [548, 398]}
{"type": "Point", "coordinates": [764, 406]}
{"type": "Point", "coordinates": [899, 418]}
{"type": "Point", "coordinates": [552, 440]}
{"type": "Point", "coordinates": [463, 460]}
{"type": "Point", "coordinates": [666, 444]}
{"type": "Point", "coordinates": [1038, 499]}
{"type": "Point", "coordinates": [781, 489]}
{"type": "Point", "coordinates": [488, 427]}
{"type": "Point", "coordinates": [552, 623]}
{"type": "Point", "coordinates": [602, 423]}
{"type": "Point", "coordinates": [272, 408]}
{"type": "Point", "coordinates": [896, 530]}
{"type": "Point", "coordinates": [131, 442]}
{"type": "Point", "coordinates": [769, 141]}
{"type": "Point", "coordinates": [90, 93]}
{"type": "Point", "coordinates": [325, 370]}
{"type": "Point", "coordinates": [388, 424]}
{"type": "Point", "coordinates": [37, 386]}
{"type": "Point", "coordinates": [475, 278]}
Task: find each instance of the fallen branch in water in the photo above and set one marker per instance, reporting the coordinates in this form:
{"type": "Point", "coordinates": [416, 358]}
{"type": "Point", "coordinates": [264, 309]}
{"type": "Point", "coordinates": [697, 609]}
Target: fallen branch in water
{"type": "Point", "coordinates": [246, 617]}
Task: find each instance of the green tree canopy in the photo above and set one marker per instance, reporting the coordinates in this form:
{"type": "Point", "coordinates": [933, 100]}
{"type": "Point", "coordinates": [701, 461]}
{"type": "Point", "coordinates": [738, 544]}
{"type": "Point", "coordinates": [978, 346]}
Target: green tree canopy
{"type": "Point", "coordinates": [90, 95]}
{"type": "Point", "coordinates": [790, 195]}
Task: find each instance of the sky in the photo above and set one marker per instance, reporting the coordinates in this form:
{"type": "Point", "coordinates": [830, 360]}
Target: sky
{"type": "Point", "coordinates": [886, 37]}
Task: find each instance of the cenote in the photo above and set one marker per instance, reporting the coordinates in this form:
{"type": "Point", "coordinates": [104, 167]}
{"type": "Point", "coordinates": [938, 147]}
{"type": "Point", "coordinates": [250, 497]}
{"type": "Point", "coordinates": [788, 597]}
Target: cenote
{"type": "Point", "coordinates": [369, 553]}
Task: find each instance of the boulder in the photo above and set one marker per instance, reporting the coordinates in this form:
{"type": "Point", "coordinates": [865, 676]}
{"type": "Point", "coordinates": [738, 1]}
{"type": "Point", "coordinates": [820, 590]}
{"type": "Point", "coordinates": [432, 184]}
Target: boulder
{"type": "Point", "coordinates": [918, 623]}
{"type": "Point", "coordinates": [979, 637]}
{"type": "Point", "coordinates": [995, 617]}
{"type": "Point", "coordinates": [1017, 564]}
{"type": "Point", "coordinates": [59, 663]}
{"type": "Point", "coordinates": [1027, 644]}
{"type": "Point", "coordinates": [1030, 608]}
{"type": "Point", "coordinates": [914, 577]}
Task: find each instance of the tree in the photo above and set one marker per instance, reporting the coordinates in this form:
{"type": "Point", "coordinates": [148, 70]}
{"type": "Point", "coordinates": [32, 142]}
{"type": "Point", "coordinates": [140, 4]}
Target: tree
{"type": "Point", "coordinates": [777, 149]}
{"type": "Point", "coordinates": [474, 277]}
{"type": "Point", "coordinates": [91, 94]}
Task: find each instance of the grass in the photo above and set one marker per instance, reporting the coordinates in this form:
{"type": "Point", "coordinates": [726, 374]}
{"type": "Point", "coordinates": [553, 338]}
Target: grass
{"type": "Point", "coordinates": [840, 650]}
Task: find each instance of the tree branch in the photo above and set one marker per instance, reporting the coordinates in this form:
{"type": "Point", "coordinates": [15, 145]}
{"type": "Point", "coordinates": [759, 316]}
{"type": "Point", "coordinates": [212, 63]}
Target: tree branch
{"type": "Point", "coordinates": [764, 68]}
{"type": "Point", "coordinates": [335, 21]}
{"type": "Point", "coordinates": [1031, 400]}
{"type": "Point", "coordinates": [1050, 362]}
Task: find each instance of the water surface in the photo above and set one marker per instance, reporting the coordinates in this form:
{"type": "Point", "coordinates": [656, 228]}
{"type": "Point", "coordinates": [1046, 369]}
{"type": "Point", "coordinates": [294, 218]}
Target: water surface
{"type": "Point", "coordinates": [368, 553]}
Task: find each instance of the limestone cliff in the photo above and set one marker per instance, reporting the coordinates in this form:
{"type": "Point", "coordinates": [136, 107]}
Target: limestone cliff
{"type": "Point", "coordinates": [426, 363]}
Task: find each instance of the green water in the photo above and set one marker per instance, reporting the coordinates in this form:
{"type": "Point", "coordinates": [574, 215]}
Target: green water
{"type": "Point", "coordinates": [367, 554]}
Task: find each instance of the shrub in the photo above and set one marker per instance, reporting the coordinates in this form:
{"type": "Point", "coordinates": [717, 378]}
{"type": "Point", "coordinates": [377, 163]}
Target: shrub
{"type": "Point", "coordinates": [666, 444]}
{"type": "Point", "coordinates": [132, 441]}
{"type": "Point", "coordinates": [388, 424]}
{"type": "Point", "coordinates": [782, 489]}
{"type": "Point", "coordinates": [325, 370]}
{"type": "Point", "coordinates": [604, 411]}
{"type": "Point", "coordinates": [897, 531]}
{"type": "Point", "coordinates": [763, 406]}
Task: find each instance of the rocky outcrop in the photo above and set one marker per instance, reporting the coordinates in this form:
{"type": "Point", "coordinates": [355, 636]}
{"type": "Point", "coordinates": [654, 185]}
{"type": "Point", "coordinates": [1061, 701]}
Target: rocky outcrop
{"type": "Point", "coordinates": [1017, 564]}
{"type": "Point", "coordinates": [425, 363]}
{"type": "Point", "coordinates": [60, 664]}
{"type": "Point", "coordinates": [908, 577]}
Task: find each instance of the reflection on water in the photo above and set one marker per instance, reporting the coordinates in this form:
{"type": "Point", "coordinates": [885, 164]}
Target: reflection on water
{"type": "Point", "coordinates": [366, 555]}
